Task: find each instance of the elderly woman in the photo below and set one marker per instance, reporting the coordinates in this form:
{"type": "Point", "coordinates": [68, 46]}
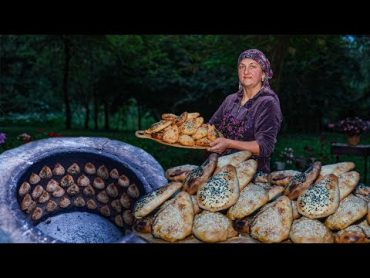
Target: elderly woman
{"type": "Point", "coordinates": [250, 119]}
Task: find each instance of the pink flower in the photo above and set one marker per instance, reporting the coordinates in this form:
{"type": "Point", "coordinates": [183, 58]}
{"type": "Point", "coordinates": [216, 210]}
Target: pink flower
{"type": "Point", "coordinates": [351, 126]}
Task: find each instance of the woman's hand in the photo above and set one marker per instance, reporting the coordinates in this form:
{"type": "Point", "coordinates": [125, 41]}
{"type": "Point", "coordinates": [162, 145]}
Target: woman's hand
{"type": "Point", "coordinates": [219, 145]}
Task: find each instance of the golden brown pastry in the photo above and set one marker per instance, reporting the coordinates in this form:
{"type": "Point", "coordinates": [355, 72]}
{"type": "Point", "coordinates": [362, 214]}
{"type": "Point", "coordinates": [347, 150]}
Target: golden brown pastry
{"type": "Point", "coordinates": [251, 198]}
{"type": "Point", "coordinates": [133, 191]}
{"type": "Point", "coordinates": [273, 222]}
{"type": "Point", "coordinates": [64, 202]}
{"type": "Point", "coordinates": [175, 220]}
{"type": "Point", "coordinates": [34, 178]}
{"type": "Point", "coordinates": [90, 168]}
{"type": "Point", "coordinates": [26, 201]}
{"type": "Point", "coordinates": [73, 169]}
{"type": "Point", "coordinates": [169, 117]}
{"type": "Point", "coordinates": [200, 175]}
{"type": "Point", "coordinates": [58, 170]}
{"type": "Point", "coordinates": [24, 189]}
{"type": "Point", "coordinates": [149, 202]}
{"type": "Point", "coordinates": [83, 181]}
{"type": "Point", "coordinates": [352, 234]}
{"type": "Point", "coordinates": [181, 119]}
{"type": "Point", "coordinates": [45, 173]}
{"type": "Point", "coordinates": [67, 181]}
{"type": "Point", "coordinates": [103, 172]}
{"type": "Point", "coordinates": [193, 115]}
{"type": "Point", "coordinates": [301, 182]}
{"type": "Point", "coordinates": [203, 142]}
{"type": "Point", "coordinates": [103, 197]}
{"type": "Point", "coordinates": [51, 206]}
{"type": "Point", "coordinates": [321, 199]}
{"type": "Point", "coordinates": [52, 185]}
{"type": "Point", "coordinates": [191, 125]}
{"type": "Point", "coordinates": [114, 174]}
{"type": "Point", "coordinates": [59, 192]}
{"type": "Point", "coordinates": [350, 209]}
{"type": "Point", "coordinates": [245, 171]}
{"type": "Point", "coordinates": [305, 230]}
{"type": "Point", "coordinates": [156, 127]}
{"type": "Point", "coordinates": [79, 202]}
{"type": "Point", "coordinates": [45, 196]}
{"type": "Point", "coordinates": [201, 132]}
{"type": "Point", "coordinates": [347, 183]}
{"type": "Point", "coordinates": [123, 181]}
{"type": "Point", "coordinates": [211, 133]}
{"type": "Point", "coordinates": [336, 169]}
{"type": "Point", "coordinates": [37, 191]}
{"type": "Point", "coordinates": [171, 134]}
{"type": "Point", "coordinates": [282, 178]}
{"type": "Point", "coordinates": [221, 191]}
{"type": "Point", "coordinates": [186, 140]}
{"type": "Point", "coordinates": [213, 227]}
{"type": "Point", "coordinates": [179, 173]}
{"type": "Point", "coordinates": [233, 159]}
{"type": "Point", "coordinates": [37, 213]}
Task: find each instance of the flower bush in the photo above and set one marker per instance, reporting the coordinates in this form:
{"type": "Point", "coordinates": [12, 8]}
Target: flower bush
{"type": "Point", "coordinates": [351, 126]}
{"type": "Point", "coordinates": [287, 155]}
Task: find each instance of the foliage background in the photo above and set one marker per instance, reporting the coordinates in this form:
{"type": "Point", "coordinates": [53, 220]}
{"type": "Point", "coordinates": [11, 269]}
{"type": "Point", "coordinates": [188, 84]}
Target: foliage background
{"type": "Point", "coordinates": [112, 85]}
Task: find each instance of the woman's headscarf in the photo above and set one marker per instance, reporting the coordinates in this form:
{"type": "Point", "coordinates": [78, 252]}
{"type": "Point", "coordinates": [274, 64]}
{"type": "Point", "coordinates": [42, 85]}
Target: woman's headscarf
{"type": "Point", "coordinates": [261, 59]}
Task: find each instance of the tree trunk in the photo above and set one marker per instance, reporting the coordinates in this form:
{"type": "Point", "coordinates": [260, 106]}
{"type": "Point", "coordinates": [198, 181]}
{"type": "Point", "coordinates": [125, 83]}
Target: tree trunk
{"type": "Point", "coordinates": [278, 59]}
{"type": "Point", "coordinates": [96, 110]}
{"type": "Point", "coordinates": [139, 112]}
{"type": "Point", "coordinates": [106, 114]}
{"type": "Point", "coordinates": [87, 115]}
{"type": "Point", "coordinates": [67, 58]}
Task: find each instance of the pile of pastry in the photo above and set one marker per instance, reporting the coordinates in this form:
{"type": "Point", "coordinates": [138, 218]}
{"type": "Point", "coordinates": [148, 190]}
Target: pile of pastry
{"type": "Point", "coordinates": [224, 200]}
{"type": "Point", "coordinates": [188, 129]}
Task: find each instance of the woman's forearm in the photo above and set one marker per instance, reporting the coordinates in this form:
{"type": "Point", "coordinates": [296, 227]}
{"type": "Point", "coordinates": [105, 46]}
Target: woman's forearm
{"type": "Point", "coordinates": [251, 146]}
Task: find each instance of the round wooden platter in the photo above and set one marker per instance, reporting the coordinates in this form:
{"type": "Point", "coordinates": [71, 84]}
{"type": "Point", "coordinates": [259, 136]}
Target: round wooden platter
{"type": "Point", "coordinates": [192, 239]}
{"type": "Point", "coordinates": [143, 135]}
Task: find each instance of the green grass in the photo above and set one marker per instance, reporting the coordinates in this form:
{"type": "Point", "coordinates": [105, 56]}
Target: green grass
{"type": "Point", "coordinates": [170, 156]}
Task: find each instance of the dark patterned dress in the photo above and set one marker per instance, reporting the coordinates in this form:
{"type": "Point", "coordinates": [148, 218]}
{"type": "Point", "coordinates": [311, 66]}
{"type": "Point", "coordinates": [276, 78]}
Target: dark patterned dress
{"type": "Point", "coordinates": [258, 119]}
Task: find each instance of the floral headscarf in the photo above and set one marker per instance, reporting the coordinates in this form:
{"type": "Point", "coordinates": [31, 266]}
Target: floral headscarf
{"type": "Point", "coordinates": [261, 59]}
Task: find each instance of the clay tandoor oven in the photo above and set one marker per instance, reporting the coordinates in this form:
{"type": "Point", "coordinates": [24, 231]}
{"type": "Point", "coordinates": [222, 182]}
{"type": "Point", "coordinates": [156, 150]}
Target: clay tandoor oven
{"type": "Point", "coordinates": [74, 190]}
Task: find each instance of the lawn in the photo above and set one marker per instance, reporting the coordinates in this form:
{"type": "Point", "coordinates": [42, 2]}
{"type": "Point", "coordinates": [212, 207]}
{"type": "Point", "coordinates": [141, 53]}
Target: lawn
{"type": "Point", "coordinates": [305, 146]}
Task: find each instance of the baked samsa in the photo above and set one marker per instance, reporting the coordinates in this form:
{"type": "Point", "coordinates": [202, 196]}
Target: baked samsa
{"type": "Point", "coordinates": [213, 227]}
{"type": "Point", "coordinates": [174, 222]}
{"type": "Point", "coordinates": [149, 202]}
{"type": "Point", "coordinates": [171, 134]}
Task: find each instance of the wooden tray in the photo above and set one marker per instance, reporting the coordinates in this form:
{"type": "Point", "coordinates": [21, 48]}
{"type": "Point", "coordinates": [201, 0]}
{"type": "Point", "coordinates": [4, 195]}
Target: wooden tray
{"type": "Point", "coordinates": [143, 135]}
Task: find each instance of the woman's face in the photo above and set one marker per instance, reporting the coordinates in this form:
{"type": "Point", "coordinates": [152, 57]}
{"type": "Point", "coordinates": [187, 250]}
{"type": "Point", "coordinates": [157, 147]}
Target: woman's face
{"type": "Point", "coordinates": [250, 73]}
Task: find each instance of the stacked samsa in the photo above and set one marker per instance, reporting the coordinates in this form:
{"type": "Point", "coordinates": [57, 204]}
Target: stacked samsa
{"type": "Point", "coordinates": [224, 199]}
{"type": "Point", "coordinates": [188, 129]}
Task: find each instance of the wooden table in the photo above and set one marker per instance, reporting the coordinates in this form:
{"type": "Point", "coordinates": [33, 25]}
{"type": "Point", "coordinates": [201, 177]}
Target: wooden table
{"type": "Point", "coordinates": [338, 149]}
